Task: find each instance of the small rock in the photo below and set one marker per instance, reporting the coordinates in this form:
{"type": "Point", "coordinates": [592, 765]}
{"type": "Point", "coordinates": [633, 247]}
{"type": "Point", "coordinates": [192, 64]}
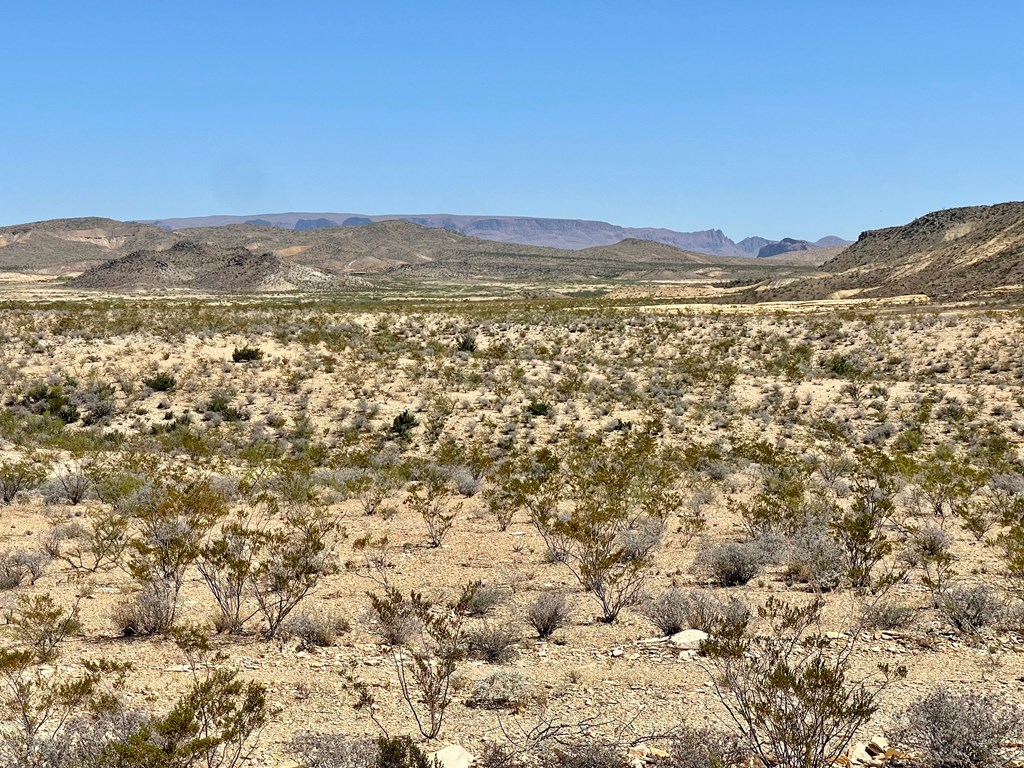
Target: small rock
{"type": "Point", "coordinates": [453, 756]}
{"type": "Point", "coordinates": [688, 639]}
{"type": "Point", "coordinates": [877, 746]}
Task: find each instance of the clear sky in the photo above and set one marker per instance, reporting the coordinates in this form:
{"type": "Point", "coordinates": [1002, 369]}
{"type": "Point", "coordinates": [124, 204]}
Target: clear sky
{"type": "Point", "coordinates": [771, 118]}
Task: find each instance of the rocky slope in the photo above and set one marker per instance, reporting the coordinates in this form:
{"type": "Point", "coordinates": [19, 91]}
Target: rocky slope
{"type": "Point", "coordinates": [953, 254]}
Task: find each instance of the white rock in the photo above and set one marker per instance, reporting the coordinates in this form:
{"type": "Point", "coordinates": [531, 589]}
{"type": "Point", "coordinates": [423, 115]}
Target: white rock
{"type": "Point", "coordinates": [453, 756]}
{"type": "Point", "coordinates": [688, 639]}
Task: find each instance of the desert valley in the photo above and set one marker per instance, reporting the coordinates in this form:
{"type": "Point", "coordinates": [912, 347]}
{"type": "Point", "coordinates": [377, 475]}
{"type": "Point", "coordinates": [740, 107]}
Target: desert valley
{"type": "Point", "coordinates": [285, 494]}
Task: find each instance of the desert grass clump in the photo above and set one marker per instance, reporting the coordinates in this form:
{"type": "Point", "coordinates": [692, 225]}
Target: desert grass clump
{"type": "Point", "coordinates": [315, 629]}
{"type": "Point", "coordinates": [494, 643]}
{"type": "Point", "coordinates": [549, 613]}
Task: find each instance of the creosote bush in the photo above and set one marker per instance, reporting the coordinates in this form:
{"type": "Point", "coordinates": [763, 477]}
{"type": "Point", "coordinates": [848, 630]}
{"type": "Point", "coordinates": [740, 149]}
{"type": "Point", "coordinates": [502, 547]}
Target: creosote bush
{"type": "Point", "coordinates": [788, 692]}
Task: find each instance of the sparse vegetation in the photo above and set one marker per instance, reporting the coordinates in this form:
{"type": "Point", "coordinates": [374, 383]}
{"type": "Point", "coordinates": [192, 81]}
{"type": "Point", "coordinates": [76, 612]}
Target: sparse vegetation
{"type": "Point", "coordinates": [683, 465]}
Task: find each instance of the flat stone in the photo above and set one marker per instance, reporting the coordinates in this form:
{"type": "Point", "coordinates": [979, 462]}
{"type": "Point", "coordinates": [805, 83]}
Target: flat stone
{"type": "Point", "coordinates": [688, 639]}
{"type": "Point", "coordinates": [454, 756]}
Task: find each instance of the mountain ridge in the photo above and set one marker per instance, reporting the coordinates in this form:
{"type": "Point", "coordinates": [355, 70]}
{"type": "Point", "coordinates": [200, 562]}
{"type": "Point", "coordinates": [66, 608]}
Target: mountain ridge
{"type": "Point", "coordinates": [119, 256]}
{"type": "Point", "coordinates": [565, 234]}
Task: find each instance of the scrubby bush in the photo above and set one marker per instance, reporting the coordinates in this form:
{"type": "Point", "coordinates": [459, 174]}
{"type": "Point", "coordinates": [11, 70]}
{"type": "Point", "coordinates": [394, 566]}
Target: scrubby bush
{"type": "Point", "coordinates": [969, 609]}
{"type": "Point", "coordinates": [216, 722]}
{"type": "Point", "coordinates": [668, 611]}
{"type": "Point", "coordinates": [98, 546]}
{"type": "Point", "coordinates": [549, 613]}
{"type": "Point", "coordinates": [431, 499]}
{"type": "Point", "coordinates": [149, 611]}
{"type": "Point", "coordinates": [162, 381]}
{"type": "Point", "coordinates": [169, 540]}
{"type": "Point", "coordinates": [427, 661]}
{"type": "Point", "coordinates": [928, 548]}
{"type": "Point", "coordinates": [787, 691]}
{"type": "Point", "coordinates": [18, 476]}
{"type": "Point", "coordinates": [676, 610]}
{"type": "Point", "coordinates": [334, 750]}
{"type": "Point", "coordinates": [494, 643]}
{"type": "Point", "coordinates": [246, 354]}
{"type": "Point", "coordinates": [315, 629]}
{"type": "Point", "coordinates": [68, 486]}
{"type": "Point", "coordinates": [403, 424]}
{"type": "Point", "coordinates": [730, 565]}
{"type": "Point", "coordinates": [588, 753]}
{"type": "Point", "coordinates": [812, 557]}
{"type": "Point", "coordinates": [292, 560]}
{"type": "Point", "coordinates": [485, 598]}
{"type": "Point", "coordinates": [859, 532]}
{"type": "Point", "coordinates": [959, 730]}
{"type": "Point", "coordinates": [538, 408]}
{"type": "Point", "coordinates": [615, 495]}
{"type": "Point", "coordinates": [20, 565]}
{"type": "Point", "coordinates": [707, 748]}
{"type": "Point", "coordinates": [889, 615]}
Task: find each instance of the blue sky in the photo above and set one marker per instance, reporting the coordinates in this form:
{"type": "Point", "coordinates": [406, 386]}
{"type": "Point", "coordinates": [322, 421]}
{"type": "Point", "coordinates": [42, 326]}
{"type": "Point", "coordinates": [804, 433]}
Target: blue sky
{"type": "Point", "coordinates": [779, 119]}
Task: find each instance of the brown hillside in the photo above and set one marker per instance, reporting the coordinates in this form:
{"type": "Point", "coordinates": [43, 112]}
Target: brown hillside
{"type": "Point", "coordinates": [953, 254]}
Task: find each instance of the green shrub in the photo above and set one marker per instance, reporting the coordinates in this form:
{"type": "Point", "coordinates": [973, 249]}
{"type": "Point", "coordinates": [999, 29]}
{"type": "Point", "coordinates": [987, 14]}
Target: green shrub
{"type": "Point", "coordinates": [162, 381]}
{"type": "Point", "coordinates": [403, 424]}
{"type": "Point", "coordinates": [246, 354]}
{"type": "Point", "coordinates": [538, 408]}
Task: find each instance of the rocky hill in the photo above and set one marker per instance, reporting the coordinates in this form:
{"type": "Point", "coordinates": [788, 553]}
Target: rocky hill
{"type": "Point", "coordinates": [564, 234]}
{"type": "Point", "coordinates": [73, 245]}
{"type": "Point", "coordinates": [953, 254]}
{"type": "Point", "coordinates": [785, 245]}
{"type": "Point", "coordinates": [198, 266]}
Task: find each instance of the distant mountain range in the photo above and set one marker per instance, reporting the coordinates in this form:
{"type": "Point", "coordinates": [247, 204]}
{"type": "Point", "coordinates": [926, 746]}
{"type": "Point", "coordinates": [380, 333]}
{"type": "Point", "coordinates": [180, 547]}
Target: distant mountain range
{"type": "Point", "coordinates": [565, 234]}
{"type": "Point", "coordinates": [129, 256]}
